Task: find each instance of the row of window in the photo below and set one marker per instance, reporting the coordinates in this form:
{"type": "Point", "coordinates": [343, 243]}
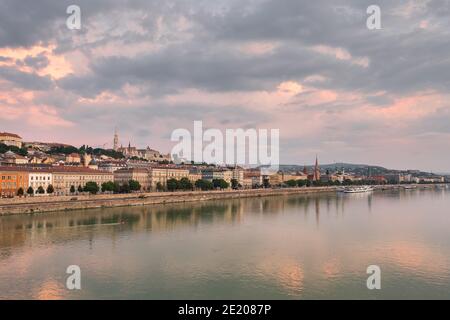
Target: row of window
{"type": "Point", "coordinates": [58, 178]}
{"type": "Point", "coordinates": [11, 177]}
{"type": "Point", "coordinates": [40, 178]}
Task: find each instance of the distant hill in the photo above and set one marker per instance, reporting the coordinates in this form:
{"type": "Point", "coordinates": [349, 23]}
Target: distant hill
{"type": "Point", "coordinates": [357, 169]}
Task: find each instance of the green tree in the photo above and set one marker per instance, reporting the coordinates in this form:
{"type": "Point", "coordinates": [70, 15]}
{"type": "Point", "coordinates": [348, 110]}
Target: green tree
{"type": "Point", "coordinates": [134, 185]}
{"type": "Point", "coordinates": [291, 183]}
{"type": "Point", "coordinates": [72, 189]}
{"type": "Point", "coordinates": [234, 184]}
{"type": "Point", "coordinates": [185, 184]}
{"type": "Point", "coordinates": [301, 183]}
{"type": "Point", "coordinates": [41, 190]}
{"type": "Point", "coordinates": [30, 191]}
{"type": "Point", "coordinates": [63, 149]}
{"type": "Point", "coordinates": [173, 184]}
{"type": "Point", "coordinates": [199, 184]}
{"type": "Point", "coordinates": [220, 184]}
{"type": "Point", "coordinates": [21, 151]}
{"type": "Point", "coordinates": [80, 188]}
{"type": "Point", "coordinates": [204, 185]}
{"type": "Point", "coordinates": [318, 183]}
{"type": "Point", "coordinates": [20, 192]}
{"type": "Point", "coordinates": [108, 186]}
{"type": "Point", "coordinates": [216, 183]}
{"type": "Point", "coordinates": [159, 187]}
{"type": "Point", "coordinates": [50, 189]}
{"type": "Point", "coordinates": [91, 187]}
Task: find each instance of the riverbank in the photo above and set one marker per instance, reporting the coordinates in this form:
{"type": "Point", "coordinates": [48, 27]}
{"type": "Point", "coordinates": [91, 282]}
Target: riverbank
{"type": "Point", "coordinates": [31, 205]}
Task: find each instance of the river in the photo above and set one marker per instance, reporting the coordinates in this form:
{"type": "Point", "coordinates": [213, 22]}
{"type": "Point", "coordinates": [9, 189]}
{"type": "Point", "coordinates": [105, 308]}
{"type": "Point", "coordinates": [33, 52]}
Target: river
{"type": "Point", "coordinates": [283, 247]}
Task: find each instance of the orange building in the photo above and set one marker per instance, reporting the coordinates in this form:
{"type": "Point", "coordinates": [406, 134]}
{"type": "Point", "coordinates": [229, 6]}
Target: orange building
{"type": "Point", "coordinates": [11, 180]}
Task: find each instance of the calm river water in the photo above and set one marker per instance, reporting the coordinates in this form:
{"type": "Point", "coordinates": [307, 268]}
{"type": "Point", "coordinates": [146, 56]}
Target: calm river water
{"type": "Point", "coordinates": [292, 247]}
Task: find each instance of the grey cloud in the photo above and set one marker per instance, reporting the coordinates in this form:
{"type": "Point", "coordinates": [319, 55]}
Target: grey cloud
{"type": "Point", "coordinates": [29, 81]}
{"type": "Point", "coordinates": [38, 62]}
{"type": "Point", "coordinates": [404, 59]}
{"type": "Point", "coordinates": [5, 59]}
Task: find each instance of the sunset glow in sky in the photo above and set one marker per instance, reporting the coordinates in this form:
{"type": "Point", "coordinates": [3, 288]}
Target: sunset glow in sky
{"type": "Point", "coordinates": [309, 68]}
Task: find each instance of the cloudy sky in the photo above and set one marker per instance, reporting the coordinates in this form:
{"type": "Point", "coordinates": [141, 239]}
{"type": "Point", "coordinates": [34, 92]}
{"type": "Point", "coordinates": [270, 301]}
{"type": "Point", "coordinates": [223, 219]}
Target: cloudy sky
{"type": "Point", "coordinates": [309, 68]}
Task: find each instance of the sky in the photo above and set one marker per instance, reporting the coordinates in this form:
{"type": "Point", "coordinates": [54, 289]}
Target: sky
{"type": "Point", "coordinates": [311, 69]}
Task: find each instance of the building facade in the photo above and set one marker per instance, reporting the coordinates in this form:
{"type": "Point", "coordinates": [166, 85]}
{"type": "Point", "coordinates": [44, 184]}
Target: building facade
{"type": "Point", "coordinates": [11, 139]}
{"type": "Point", "coordinates": [66, 177]}
{"type": "Point", "coordinates": [142, 176]}
{"type": "Point", "coordinates": [252, 178]}
{"type": "Point", "coordinates": [73, 158]}
{"type": "Point", "coordinates": [12, 158]}
{"type": "Point", "coordinates": [211, 174]}
{"type": "Point", "coordinates": [40, 178]}
{"type": "Point", "coordinates": [162, 174]}
{"type": "Point", "coordinates": [195, 175]}
{"type": "Point", "coordinates": [11, 180]}
{"type": "Point", "coordinates": [112, 165]}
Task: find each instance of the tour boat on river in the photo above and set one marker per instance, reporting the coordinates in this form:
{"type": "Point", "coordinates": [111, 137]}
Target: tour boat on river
{"type": "Point", "coordinates": [359, 189]}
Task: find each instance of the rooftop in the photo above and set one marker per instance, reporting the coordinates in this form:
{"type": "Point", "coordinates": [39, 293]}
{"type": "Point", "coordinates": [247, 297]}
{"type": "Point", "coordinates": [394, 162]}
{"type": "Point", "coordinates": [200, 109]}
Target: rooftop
{"type": "Point", "coordinates": [12, 135]}
{"type": "Point", "coordinates": [59, 169]}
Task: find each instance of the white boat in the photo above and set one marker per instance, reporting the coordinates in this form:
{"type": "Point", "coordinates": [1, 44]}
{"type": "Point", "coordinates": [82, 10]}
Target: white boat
{"type": "Point", "coordinates": [358, 189]}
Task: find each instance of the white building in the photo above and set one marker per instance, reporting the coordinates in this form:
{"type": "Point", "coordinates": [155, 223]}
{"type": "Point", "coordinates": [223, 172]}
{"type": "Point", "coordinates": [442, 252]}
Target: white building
{"type": "Point", "coordinates": [38, 179]}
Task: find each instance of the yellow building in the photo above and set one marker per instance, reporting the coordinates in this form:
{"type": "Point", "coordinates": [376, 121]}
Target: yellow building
{"type": "Point", "coordinates": [281, 177]}
{"type": "Point", "coordinates": [162, 174]}
{"type": "Point", "coordinates": [11, 139]}
{"type": "Point", "coordinates": [66, 177]}
{"type": "Point", "coordinates": [73, 158]}
{"type": "Point", "coordinates": [211, 174]}
{"type": "Point", "coordinates": [194, 176]}
{"type": "Point", "coordinates": [137, 174]}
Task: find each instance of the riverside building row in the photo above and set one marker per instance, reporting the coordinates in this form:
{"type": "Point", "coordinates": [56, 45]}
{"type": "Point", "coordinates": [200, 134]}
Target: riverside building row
{"type": "Point", "coordinates": [60, 178]}
{"type": "Point", "coordinates": [64, 179]}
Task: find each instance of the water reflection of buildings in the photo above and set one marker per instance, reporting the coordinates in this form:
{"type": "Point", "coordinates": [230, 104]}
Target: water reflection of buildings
{"type": "Point", "coordinates": [69, 226]}
{"type": "Point", "coordinates": [75, 225]}
{"type": "Point", "coordinates": [17, 231]}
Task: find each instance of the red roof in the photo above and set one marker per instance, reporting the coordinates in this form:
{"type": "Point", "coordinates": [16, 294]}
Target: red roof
{"type": "Point", "coordinates": [60, 169]}
{"type": "Point", "coordinates": [12, 135]}
{"type": "Point", "coordinates": [13, 168]}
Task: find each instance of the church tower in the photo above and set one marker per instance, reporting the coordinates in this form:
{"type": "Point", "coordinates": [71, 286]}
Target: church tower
{"type": "Point", "coordinates": [316, 170]}
{"type": "Point", "coordinates": [116, 140]}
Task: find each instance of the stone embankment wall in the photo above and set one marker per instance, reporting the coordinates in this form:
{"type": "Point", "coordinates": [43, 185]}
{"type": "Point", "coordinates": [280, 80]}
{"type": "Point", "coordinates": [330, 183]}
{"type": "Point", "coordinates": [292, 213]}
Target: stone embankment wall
{"type": "Point", "coordinates": [31, 205]}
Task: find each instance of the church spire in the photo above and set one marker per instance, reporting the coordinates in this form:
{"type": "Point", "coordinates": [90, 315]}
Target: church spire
{"type": "Point", "coordinates": [317, 170]}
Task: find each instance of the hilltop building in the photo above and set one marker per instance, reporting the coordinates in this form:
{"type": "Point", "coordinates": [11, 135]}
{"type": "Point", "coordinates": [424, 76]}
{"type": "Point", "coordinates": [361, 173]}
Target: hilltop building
{"type": "Point", "coordinates": [147, 154]}
{"type": "Point", "coordinates": [11, 139]}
